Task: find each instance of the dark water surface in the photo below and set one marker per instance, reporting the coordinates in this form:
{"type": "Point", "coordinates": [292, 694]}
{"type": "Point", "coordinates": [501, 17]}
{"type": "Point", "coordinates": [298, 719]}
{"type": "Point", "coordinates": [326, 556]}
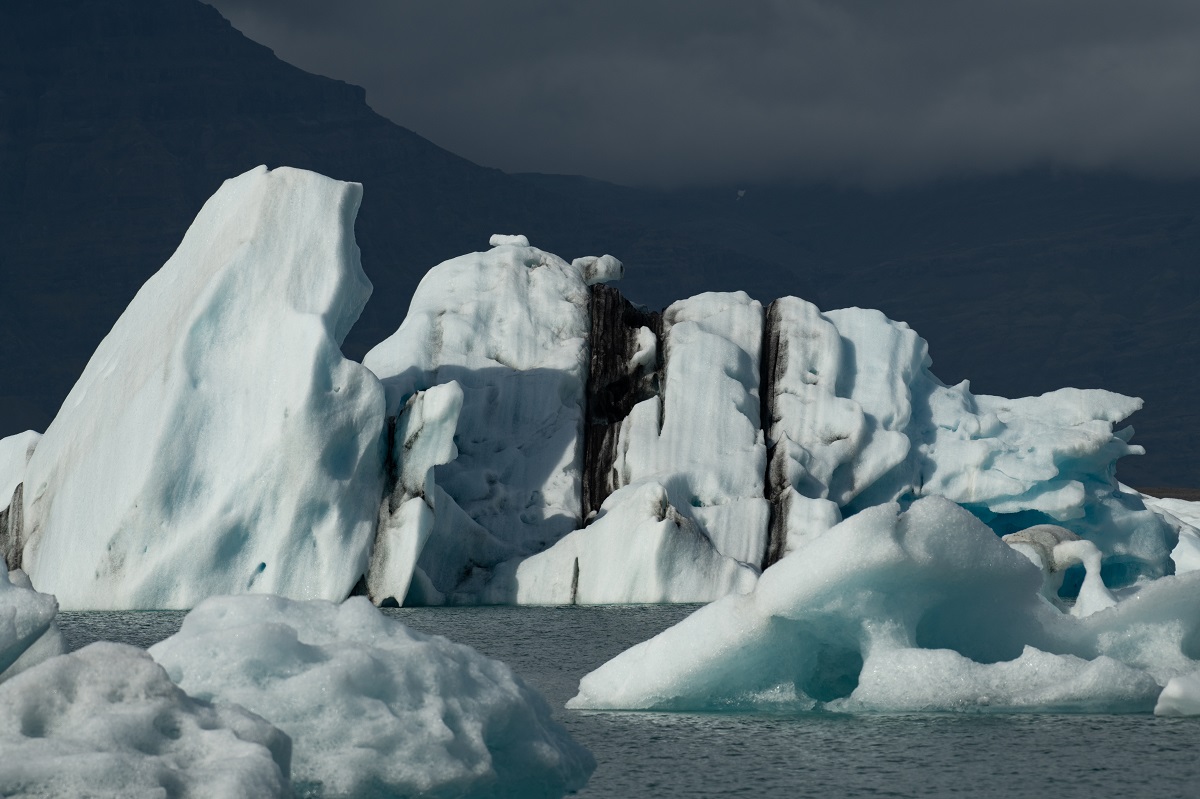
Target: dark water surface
{"type": "Point", "coordinates": [818, 755]}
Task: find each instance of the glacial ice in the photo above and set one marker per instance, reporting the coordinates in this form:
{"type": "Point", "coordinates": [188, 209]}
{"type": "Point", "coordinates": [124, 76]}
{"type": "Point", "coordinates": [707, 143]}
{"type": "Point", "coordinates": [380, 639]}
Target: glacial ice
{"type": "Point", "coordinates": [923, 609]}
{"type": "Point", "coordinates": [15, 452]}
{"type": "Point", "coordinates": [422, 439]}
{"type": "Point", "coordinates": [105, 721]}
{"type": "Point", "coordinates": [637, 550]}
{"type": "Point", "coordinates": [217, 441]}
{"type": "Point", "coordinates": [28, 632]}
{"type": "Point", "coordinates": [373, 708]}
{"type": "Point", "coordinates": [510, 327]}
{"type": "Point", "coordinates": [1181, 696]}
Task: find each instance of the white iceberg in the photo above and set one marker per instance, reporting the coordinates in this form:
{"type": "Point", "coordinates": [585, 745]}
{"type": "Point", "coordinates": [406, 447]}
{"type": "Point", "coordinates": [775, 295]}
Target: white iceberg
{"type": "Point", "coordinates": [371, 707]}
{"type": "Point", "coordinates": [217, 441]}
{"type": "Point", "coordinates": [107, 722]}
{"type": "Point", "coordinates": [856, 418]}
{"type": "Point", "coordinates": [28, 632]}
{"type": "Point", "coordinates": [921, 610]}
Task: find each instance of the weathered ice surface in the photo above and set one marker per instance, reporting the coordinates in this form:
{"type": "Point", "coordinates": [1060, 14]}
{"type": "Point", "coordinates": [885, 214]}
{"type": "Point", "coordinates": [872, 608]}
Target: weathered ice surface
{"type": "Point", "coordinates": [856, 418]}
{"type": "Point", "coordinates": [917, 610]}
{"type": "Point", "coordinates": [217, 441]}
{"type": "Point", "coordinates": [15, 452]}
{"type": "Point", "coordinates": [700, 438]}
{"type": "Point", "coordinates": [624, 369]}
{"type": "Point", "coordinates": [106, 722]}
{"type": "Point", "coordinates": [421, 438]}
{"type": "Point", "coordinates": [638, 549]}
{"type": "Point", "coordinates": [373, 708]}
{"type": "Point", "coordinates": [28, 633]}
{"type": "Point", "coordinates": [510, 326]}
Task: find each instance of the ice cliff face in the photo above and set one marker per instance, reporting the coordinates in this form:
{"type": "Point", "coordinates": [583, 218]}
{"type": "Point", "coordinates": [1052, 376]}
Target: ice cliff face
{"type": "Point", "coordinates": [217, 441]}
{"type": "Point", "coordinates": [686, 451]}
{"type": "Point", "coordinates": [527, 435]}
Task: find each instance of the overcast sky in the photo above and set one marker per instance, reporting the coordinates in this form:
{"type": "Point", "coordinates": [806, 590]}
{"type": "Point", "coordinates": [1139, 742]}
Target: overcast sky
{"type": "Point", "coordinates": [871, 91]}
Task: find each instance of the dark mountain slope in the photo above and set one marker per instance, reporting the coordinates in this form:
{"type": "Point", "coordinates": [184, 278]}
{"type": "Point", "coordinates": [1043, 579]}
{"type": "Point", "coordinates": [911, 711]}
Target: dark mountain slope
{"type": "Point", "coordinates": [118, 119]}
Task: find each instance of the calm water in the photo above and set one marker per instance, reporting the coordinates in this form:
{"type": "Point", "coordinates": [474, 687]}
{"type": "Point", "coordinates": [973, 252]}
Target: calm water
{"type": "Point", "coordinates": [819, 755]}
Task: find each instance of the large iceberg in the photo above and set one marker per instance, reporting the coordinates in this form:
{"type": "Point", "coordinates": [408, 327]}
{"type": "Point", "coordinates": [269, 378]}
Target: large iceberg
{"type": "Point", "coordinates": [107, 722]}
{"type": "Point", "coordinates": [373, 708]}
{"type": "Point", "coordinates": [217, 441]}
{"type": "Point", "coordinates": [526, 436]}
{"type": "Point", "coordinates": [917, 610]}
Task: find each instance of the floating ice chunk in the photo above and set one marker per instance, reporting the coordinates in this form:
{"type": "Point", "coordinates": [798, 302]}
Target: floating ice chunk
{"type": "Point", "coordinates": [28, 634]}
{"type": "Point", "coordinates": [423, 438]}
{"type": "Point", "coordinates": [1181, 697]}
{"type": "Point", "coordinates": [105, 721]}
{"type": "Point", "coordinates": [930, 588]}
{"type": "Point", "coordinates": [638, 550]}
{"type": "Point", "coordinates": [501, 240]}
{"type": "Point", "coordinates": [217, 441]}
{"type": "Point", "coordinates": [371, 707]}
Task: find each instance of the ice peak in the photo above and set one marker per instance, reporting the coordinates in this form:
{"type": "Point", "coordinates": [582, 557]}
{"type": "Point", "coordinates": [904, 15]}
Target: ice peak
{"type": "Point", "coordinates": [500, 239]}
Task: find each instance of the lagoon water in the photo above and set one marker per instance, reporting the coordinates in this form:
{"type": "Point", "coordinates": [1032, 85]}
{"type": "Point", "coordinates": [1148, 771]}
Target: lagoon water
{"type": "Point", "coordinates": [792, 755]}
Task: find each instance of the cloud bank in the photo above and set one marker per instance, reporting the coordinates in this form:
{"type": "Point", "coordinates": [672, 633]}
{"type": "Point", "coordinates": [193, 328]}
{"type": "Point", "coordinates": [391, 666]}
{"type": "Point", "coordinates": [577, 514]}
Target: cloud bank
{"type": "Point", "coordinates": [707, 91]}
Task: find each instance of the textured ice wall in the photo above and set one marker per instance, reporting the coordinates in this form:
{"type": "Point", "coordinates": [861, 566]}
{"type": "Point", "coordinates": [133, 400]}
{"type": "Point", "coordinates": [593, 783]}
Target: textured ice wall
{"type": "Point", "coordinates": [422, 438]}
{"type": "Point", "coordinates": [856, 418]}
{"type": "Point", "coordinates": [217, 441]}
{"type": "Point", "coordinates": [916, 611]}
{"type": "Point", "coordinates": [510, 327]}
{"type": "Point", "coordinates": [15, 452]}
{"type": "Point", "coordinates": [701, 438]}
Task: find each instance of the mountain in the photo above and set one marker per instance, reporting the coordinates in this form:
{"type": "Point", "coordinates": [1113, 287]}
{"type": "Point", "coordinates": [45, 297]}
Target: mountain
{"type": "Point", "coordinates": [117, 120]}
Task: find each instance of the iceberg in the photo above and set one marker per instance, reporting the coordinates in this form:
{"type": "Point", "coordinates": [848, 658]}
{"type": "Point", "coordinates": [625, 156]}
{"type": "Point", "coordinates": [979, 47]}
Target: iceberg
{"type": "Point", "coordinates": [373, 708]}
{"type": "Point", "coordinates": [924, 609]}
{"type": "Point", "coordinates": [217, 441]}
{"type": "Point", "coordinates": [105, 721]}
{"type": "Point", "coordinates": [527, 435]}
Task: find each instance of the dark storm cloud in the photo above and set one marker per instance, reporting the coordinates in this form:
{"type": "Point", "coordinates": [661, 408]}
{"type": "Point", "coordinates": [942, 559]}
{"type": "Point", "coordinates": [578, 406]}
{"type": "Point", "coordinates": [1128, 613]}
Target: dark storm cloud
{"type": "Point", "coordinates": [668, 92]}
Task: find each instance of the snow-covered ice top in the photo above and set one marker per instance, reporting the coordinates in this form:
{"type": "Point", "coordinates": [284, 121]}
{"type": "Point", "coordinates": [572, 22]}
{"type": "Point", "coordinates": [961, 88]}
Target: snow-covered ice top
{"type": "Point", "coordinates": [217, 440]}
{"type": "Point", "coordinates": [372, 707]}
{"type": "Point", "coordinates": [106, 722]}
